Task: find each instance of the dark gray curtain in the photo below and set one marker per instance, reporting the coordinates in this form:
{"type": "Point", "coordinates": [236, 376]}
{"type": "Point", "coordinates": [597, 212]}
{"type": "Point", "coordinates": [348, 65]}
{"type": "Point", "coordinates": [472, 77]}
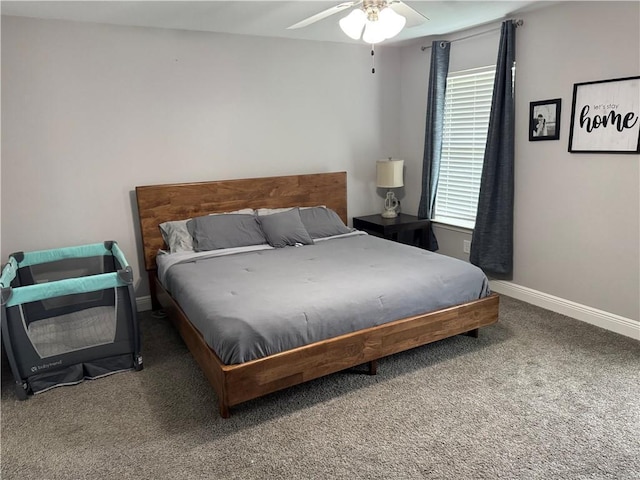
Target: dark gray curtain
{"type": "Point", "coordinates": [492, 241]}
{"type": "Point", "coordinates": [433, 132]}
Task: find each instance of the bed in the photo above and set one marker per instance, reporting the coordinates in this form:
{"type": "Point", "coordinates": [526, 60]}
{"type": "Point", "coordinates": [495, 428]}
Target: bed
{"type": "Point", "coordinates": [336, 330]}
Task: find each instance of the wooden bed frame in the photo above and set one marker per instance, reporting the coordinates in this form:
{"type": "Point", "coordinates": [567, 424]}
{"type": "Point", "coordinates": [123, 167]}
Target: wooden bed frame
{"type": "Point", "coordinates": [239, 383]}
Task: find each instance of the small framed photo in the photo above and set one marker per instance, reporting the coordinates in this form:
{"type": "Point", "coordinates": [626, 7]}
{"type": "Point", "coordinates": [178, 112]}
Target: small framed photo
{"type": "Point", "coordinates": [605, 116]}
{"type": "Point", "coordinates": [544, 120]}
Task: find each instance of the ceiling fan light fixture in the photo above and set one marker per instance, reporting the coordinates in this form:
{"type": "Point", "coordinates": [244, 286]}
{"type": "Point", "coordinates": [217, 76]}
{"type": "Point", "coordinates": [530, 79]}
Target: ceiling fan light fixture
{"type": "Point", "coordinates": [391, 22]}
{"type": "Point", "coordinates": [378, 25]}
{"type": "Point", "coordinates": [373, 32]}
{"type": "Point", "coordinates": [353, 23]}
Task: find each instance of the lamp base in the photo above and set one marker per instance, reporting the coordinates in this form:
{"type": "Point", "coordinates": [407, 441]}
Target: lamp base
{"type": "Point", "coordinates": [390, 206]}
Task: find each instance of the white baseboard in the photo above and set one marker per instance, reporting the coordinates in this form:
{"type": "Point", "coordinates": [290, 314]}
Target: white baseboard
{"type": "Point", "coordinates": [610, 321]}
{"type": "Point", "coordinates": [143, 303]}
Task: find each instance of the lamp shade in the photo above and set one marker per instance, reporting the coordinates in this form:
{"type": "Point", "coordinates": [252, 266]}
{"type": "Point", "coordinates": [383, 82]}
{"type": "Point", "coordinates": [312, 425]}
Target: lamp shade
{"type": "Point", "coordinates": [389, 173]}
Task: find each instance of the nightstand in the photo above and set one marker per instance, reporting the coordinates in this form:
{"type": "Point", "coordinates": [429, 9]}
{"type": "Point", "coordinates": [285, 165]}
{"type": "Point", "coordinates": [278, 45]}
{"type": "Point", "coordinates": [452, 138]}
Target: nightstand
{"type": "Point", "coordinates": [389, 228]}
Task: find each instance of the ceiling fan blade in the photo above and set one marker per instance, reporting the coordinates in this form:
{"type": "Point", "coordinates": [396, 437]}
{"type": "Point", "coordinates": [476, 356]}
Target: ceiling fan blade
{"type": "Point", "coordinates": [324, 14]}
{"type": "Point", "coordinates": [413, 16]}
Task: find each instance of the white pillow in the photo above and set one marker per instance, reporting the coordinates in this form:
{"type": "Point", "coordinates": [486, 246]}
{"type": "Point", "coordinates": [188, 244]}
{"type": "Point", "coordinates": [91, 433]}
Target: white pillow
{"type": "Point", "coordinates": [176, 236]}
{"type": "Point", "coordinates": [271, 211]}
{"type": "Point", "coordinates": [243, 211]}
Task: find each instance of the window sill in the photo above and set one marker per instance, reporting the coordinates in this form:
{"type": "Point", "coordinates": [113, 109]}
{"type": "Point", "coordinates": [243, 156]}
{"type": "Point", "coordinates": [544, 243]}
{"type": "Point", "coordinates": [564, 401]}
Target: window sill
{"type": "Point", "coordinates": [454, 224]}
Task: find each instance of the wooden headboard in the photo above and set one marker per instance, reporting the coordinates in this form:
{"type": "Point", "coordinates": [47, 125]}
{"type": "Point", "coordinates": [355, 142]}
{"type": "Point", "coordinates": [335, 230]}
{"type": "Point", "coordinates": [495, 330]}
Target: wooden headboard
{"type": "Point", "coordinates": [162, 203]}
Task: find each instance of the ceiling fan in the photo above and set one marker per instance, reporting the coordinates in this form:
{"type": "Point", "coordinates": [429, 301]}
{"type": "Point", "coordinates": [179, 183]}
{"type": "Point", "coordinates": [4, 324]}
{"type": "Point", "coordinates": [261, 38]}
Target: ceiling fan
{"type": "Point", "coordinates": [374, 20]}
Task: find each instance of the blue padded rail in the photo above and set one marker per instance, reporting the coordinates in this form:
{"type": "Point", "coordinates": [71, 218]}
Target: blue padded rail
{"type": "Point", "coordinates": [41, 291]}
{"type": "Point", "coordinates": [81, 251]}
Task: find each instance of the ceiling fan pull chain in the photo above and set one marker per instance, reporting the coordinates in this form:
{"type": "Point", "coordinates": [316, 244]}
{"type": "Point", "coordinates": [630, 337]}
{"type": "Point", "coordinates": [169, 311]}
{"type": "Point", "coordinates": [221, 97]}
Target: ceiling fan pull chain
{"type": "Point", "coordinates": [373, 59]}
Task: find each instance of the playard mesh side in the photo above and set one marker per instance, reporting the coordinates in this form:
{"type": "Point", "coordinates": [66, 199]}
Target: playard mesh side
{"type": "Point", "coordinates": [68, 314]}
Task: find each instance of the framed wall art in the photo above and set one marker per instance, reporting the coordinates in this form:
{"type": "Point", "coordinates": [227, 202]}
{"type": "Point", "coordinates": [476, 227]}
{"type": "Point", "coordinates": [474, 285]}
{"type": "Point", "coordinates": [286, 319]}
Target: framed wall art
{"type": "Point", "coordinates": [544, 120]}
{"type": "Point", "coordinates": [605, 116]}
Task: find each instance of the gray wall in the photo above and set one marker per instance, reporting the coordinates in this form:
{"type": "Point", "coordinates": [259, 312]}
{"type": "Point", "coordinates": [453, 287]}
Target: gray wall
{"type": "Point", "coordinates": [91, 111]}
{"type": "Point", "coordinates": [577, 232]}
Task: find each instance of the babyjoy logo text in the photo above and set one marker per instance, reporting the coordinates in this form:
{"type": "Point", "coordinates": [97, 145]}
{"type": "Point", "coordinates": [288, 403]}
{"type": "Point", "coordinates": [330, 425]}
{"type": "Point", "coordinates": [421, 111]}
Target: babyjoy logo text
{"type": "Point", "coordinates": [44, 366]}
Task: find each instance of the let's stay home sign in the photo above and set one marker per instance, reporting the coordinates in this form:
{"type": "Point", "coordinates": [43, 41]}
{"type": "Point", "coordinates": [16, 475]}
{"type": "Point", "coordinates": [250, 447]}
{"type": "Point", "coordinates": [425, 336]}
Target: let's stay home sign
{"type": "Point", "coordinates": [605, 116]}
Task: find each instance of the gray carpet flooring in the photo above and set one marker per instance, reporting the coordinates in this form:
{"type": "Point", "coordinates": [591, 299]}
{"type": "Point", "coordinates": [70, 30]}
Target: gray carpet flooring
{"type": "Point", "coordinates": [537, 396]}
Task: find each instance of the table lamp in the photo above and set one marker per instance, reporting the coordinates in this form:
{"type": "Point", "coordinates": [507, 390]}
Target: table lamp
{"type": "Point", "coordinates": [389, 175]}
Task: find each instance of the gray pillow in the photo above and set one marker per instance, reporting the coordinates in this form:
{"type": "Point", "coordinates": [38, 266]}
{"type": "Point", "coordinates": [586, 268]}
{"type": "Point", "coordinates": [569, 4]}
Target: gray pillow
{"type": "Point", "coordinates": [284, 228]}
{"type": "Point", "coordinates": [178, 238]}
{"type": "Point", "coordinates": [212, 232]}
{"type": "Point", "coordinates": [322, 222]}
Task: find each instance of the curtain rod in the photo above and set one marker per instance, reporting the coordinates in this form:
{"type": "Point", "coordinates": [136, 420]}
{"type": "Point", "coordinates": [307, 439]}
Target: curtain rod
{"type": "Point", "coordinates": [518, 23]}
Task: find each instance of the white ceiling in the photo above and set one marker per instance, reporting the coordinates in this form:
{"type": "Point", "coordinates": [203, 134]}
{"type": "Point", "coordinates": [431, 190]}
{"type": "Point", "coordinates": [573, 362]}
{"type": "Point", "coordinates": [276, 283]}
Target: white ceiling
{"type": "Point", "coordinates": [265, 18]}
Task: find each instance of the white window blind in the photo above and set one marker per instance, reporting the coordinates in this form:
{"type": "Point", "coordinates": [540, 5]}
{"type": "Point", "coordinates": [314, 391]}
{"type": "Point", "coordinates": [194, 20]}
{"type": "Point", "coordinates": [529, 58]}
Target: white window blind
{"type": "Point", "coordinates": [466, 121]}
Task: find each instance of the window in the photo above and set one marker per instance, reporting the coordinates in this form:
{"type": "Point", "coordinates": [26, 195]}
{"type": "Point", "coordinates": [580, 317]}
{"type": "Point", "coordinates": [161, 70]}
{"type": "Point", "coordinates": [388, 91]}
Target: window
{"type": "Point", "coordinates": [466, 121]}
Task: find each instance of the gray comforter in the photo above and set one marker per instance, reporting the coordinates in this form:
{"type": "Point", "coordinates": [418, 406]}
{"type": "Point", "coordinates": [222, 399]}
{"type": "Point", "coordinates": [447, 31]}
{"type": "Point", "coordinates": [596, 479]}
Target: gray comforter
{"type": "Point", "coordinates": [253, 304]}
